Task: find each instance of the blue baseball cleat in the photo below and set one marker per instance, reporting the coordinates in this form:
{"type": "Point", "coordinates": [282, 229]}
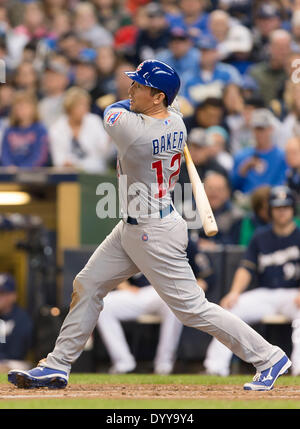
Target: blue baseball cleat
{"type": "Point", "coordinates": [265, 380]}
{"type": "Point", "coordinates": [41, 376]}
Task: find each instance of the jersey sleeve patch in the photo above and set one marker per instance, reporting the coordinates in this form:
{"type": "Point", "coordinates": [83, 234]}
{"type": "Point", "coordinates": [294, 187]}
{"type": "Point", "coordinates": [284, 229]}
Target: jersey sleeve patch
{"type": "Point", "coordinates": [112, 118]}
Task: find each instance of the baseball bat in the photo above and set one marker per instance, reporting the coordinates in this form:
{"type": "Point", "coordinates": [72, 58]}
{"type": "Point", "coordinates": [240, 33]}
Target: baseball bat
{"type": "Point", "coordinates": [206, 214]}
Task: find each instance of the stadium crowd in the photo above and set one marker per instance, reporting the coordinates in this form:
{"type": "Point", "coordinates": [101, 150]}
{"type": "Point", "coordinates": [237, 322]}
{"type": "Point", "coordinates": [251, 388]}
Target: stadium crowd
{"type": "Point", "coordinates": [238, 61]}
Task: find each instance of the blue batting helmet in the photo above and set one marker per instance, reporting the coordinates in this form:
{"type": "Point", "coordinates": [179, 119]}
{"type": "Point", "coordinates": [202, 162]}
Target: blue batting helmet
{"type": "Point", "coordinates": [159, 75]}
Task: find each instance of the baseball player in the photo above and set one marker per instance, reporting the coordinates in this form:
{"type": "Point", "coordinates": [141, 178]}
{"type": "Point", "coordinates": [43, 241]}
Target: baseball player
{"type": "Point", "coordinates": [151, 238]}
{"type": "Point", "coordinates": [273, 255]}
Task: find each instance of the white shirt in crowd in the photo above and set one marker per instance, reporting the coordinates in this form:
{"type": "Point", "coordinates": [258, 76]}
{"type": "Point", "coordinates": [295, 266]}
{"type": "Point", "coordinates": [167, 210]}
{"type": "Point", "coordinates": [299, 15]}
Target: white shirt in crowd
{"type": "Point", "coordinates": [91, 150]}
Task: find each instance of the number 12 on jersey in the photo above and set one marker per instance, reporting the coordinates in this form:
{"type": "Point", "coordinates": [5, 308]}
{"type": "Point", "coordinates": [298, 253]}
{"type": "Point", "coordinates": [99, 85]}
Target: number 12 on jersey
{"type": "Point", "coordinates": [158, 166]}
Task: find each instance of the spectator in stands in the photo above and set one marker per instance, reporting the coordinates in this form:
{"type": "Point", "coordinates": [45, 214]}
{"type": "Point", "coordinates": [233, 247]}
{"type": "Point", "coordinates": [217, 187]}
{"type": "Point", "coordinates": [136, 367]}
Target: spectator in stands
{"type": "Point", "coordinates": [219, 23]}
{"type": "Point", "coordinates": [192, 17]}
{"type": "Point", "coordinates": [154, 38]}
{"type": "Point", "coordinates": [52, 7]}
{"type": "Point", "coordinates": [218, 141]}
{"type": "Point", "coordinates": [181, 55]}
{"type": "Point", "coordinates": [86, 75]}
{"type": "Point", "coordinates": [267, 18]}
{"type": "Point", "coordinates": [228, 215]}
{"type": "Point", "coordinates": [26, 78]}
{"type": "Point", "coordinates": [70, 45]}
{"type": "Point", "coordinates": [61, 24]}
{"type": "Point", "coordinates": [208, 113]}
{"type": "Point", "coordinates": [111, 15]}
{"type": "Point", "coordinates": [235, 41]}
{"type": "Point", "coordinates": [273, 257]}
{"type": "Point", "coordinates": [34, 22]}
{"type": "Point", "coordinates": [270, 74]}
{"type": "Point", "coordinates": [262, 164]}
{"type": "Point", "coordinates": [170, 7]}
{"type": "Point", "coordinates": [233, 99]}
{"type": "Point", "coordinates": [238, 120]}
{"type": "Point", "coordinates": [237, 48]}
{"type": "Point", "coordinates": [126, 36]}
{"type": "Point", "coordinates": [106, 63]}
{"type": "Point", "coordinates": [202, 156]}
{"type": "Point", "coordinates": [6, 96]}
{"type": "Point", "coordinates": [292, 154]}
{"type": "Point", "coordinates": [241, 10]}
{"type": "Point", "coordinates": [137, 297]}
{"type": "Point", "coordinates": [55, 81]}
{"type": "Point", "coordinates": [249, 86]}
{"type": "Point", "coordinates": [77, 138]}
{"type": "Point", "coordinates": [87, 27]}
{"type": "Point", "coordinates": [25, 140]}
{"type": "Point", "coordinates": [204, 161]}
{"type": "Point", "coordinates": [213, 75]}
{"type": "Point", "coordinates": [16, 328]}
{"type": "Point", "coordinates": [29, 52]}
{"type": "Point", "coordinates": [122, 83]}
{"type": "Point", "coordinates": [259, 215]}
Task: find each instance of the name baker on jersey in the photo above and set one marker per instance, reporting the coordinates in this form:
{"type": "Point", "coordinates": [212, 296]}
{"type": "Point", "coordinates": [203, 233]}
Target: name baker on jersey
{"type": "Point", "coordinates": [168, 142]}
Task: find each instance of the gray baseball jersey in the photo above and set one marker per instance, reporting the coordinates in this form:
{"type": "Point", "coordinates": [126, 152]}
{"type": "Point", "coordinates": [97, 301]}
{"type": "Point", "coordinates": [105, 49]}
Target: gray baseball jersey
{"type": "Point", "coordinates": [150, 152]}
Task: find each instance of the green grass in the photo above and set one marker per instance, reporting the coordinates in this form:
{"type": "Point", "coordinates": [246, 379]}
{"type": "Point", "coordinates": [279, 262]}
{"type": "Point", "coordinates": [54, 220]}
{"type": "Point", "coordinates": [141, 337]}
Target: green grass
{"type": "Point", "coordinates": [186, 379]}
{"type": "Point", "coordinates": [144, 404]}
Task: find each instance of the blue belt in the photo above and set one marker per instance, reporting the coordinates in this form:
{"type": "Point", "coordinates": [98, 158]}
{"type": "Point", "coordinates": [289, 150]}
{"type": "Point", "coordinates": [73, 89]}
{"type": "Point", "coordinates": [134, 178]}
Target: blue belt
{"type": "Point", "coordinates": [163, 213]}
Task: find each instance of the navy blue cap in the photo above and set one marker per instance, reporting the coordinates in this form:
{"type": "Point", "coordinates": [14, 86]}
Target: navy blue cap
{"type": "Point", "coordinates": [7, 283]}
{"type": "Point", "coordinates": [207, 43]}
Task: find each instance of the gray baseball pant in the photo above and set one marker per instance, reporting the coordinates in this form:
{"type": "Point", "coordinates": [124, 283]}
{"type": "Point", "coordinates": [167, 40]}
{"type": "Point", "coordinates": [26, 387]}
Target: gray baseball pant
{"type": "Point", "coordinates": [157, 248]}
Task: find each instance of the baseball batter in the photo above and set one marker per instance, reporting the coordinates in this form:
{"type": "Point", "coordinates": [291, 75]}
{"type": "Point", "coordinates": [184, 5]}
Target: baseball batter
{"type": "Point", "coordinates": [151, 238]}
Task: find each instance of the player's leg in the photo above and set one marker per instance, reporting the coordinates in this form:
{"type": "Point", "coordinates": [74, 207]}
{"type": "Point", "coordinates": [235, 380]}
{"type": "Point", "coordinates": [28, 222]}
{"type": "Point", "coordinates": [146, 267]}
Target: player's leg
{"type": "Point", "coordinates": [162, 258]}
{"type": "Point", "coordinates": [251, 307]}
{"type": "Point", "coordinates": [107, 267]}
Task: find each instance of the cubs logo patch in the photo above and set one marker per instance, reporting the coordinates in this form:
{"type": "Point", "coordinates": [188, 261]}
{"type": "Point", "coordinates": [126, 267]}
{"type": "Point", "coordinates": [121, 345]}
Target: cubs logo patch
{"type": "Point", "coordinates": [145, 237]}
{"type": "Point", "coordinates": [113, 118]}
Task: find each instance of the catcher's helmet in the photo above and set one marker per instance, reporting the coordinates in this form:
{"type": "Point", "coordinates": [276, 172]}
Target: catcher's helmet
{"type": "Point", "coordinates": [159, 75]}
{"type": "Point", "coordinates": [281, 196]}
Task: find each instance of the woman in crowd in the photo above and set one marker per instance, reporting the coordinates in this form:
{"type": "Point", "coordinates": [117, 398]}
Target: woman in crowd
{"type": "Point", "coordinates": [25, 140]}
{"type": "Point", "coordinates": [77, 138]}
